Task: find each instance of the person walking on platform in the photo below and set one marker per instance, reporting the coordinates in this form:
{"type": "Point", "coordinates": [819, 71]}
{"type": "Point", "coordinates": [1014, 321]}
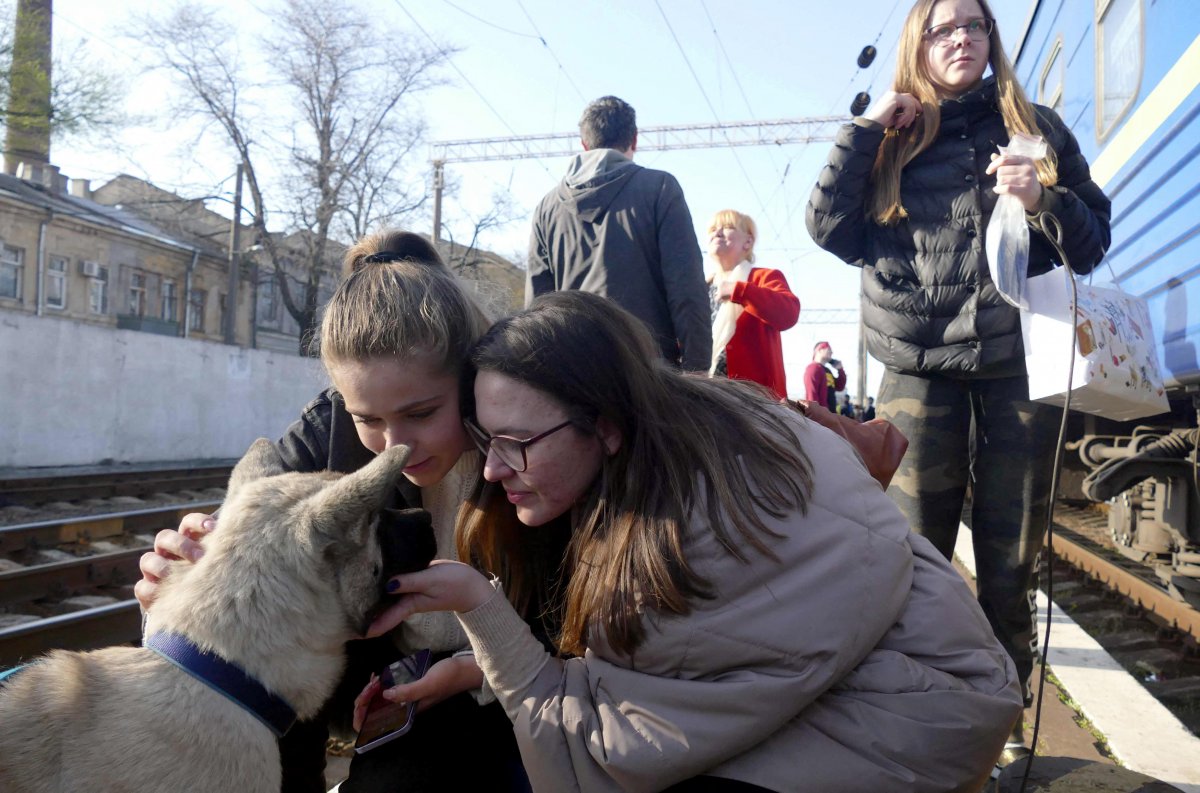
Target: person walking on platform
{"type": "Point", "coordinates": [906, 195]}
{"type": "Point", "coordinates": [846, 407]}
{"type": "Point", "coordinates": [820, 383]}
{"type": "Point", "coordinates": [751, 306]}
{"type": "Point", "coordinates": [624, 232]}
{"type": "Point", "coordinates": [742, 608]}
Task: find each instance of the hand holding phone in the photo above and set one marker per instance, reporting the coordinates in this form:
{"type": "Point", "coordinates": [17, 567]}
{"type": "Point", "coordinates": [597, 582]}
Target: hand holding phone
{"type": "Point", "coordinates": [386, 720]}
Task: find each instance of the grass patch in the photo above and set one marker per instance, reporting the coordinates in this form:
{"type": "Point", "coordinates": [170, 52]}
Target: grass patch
{"type": "Point", "coordinates": [1081, 720]}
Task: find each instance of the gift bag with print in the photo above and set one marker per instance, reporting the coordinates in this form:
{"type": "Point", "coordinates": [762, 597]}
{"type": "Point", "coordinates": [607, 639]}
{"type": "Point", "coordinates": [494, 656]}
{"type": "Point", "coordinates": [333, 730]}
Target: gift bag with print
{"type": "Point", "coordinates": [1116, 363]}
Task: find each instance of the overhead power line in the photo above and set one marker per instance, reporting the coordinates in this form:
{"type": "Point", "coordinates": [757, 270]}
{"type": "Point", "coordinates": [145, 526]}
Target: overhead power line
{"type": "Point", "coordinates": [717, 117]}
{"type": "Point", "coordinates": [562, 69]}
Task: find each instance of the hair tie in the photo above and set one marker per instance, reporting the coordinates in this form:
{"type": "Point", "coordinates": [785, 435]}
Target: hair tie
{"type": "Point", "coordinates": [384, 257]}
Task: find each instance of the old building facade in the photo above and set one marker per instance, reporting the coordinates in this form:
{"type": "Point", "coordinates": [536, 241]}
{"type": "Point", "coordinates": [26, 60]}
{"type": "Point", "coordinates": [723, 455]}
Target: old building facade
{"type": "Point", "coordinates": [64, 254]}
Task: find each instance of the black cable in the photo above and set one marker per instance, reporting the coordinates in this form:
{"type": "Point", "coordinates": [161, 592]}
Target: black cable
{"type": "Point", "coordinates": [1051, 229]}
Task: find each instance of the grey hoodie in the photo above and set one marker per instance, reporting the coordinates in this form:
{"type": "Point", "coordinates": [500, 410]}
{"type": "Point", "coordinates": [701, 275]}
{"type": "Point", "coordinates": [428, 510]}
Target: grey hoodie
{"type": "Point", "coordinates": [616, 229]}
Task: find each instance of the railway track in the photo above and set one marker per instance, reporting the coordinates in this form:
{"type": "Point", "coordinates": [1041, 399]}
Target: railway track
{"type": "Point", "coordinates": [1127, 609]}
{"type": "Point", "coordinates": [104, 483]}
{"type": "Point", "coordinates": [68, 582]}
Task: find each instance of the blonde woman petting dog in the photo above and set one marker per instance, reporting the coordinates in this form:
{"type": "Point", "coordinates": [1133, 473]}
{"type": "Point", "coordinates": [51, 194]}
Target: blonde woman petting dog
{"type": "Point", "coordinates": [393, 339]}
{"type": "Point", "coordinates": [742, 608]}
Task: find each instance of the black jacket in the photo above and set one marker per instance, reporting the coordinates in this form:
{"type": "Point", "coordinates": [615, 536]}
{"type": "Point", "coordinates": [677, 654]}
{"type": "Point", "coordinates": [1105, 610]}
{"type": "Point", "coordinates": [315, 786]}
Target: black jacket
{"type": "Point", "coordinates": [929, 304]}
{"type": "Point", "coordinates": [618, 230]}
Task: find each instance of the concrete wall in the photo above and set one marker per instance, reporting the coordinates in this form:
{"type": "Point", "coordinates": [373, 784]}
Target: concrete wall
{"type": "Point", "coordinates": [78, 394]}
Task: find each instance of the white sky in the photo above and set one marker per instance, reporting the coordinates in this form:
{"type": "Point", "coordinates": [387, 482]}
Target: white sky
{"type": "Point", "coordinates": [758, 59]}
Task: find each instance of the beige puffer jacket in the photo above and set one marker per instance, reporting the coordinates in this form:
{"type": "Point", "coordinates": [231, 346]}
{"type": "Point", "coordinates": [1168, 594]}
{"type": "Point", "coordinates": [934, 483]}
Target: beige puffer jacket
{"type": "Point", "coordinates": [858, 662]}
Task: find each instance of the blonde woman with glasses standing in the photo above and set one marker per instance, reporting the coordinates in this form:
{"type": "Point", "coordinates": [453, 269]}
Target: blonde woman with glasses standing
{"type": "Point", "coordinates": [906, 195]}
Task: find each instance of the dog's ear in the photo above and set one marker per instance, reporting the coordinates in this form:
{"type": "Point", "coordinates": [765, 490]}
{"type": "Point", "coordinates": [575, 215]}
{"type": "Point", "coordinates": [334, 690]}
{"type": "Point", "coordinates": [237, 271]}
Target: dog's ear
{"type": "Point", "coordinates": [367, 490]}
{"type": "Point", "coordinates": [261, 460]}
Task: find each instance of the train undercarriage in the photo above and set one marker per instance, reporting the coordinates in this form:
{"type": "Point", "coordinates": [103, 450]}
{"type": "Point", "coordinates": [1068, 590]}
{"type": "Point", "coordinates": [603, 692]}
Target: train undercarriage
{"type": "Point", "coordinates": [1148, 475]}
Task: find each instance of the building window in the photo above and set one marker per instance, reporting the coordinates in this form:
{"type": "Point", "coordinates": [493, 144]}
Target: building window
{"type": "Point", "coordinates": [137, 294]}
{"type": "Point", "coordinates": [269, 300]}
{"type": "Point", "coordinates": [1119, 60]}
{"type": "Point", "coordinates": [196, 310]}
{"type": "Point", "coordinates": [98, 290]}
{"type": "Point", "coordinates": [56, 283]}
{"type": "Point", "coordinates": [1050, 87]}
{"type": "Point", "coordinates": [11, 269]}
{"type": "Point", "coordinates": [170, 302]}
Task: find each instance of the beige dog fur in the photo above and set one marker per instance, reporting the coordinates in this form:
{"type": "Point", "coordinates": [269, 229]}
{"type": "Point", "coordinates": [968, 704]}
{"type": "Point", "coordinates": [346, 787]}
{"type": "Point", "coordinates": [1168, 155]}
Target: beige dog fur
{"type": "Point", "coordinates": [289, 577]}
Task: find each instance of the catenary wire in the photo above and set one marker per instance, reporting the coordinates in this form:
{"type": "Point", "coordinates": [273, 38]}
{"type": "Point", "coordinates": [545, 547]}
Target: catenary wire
{"type": "Point", "coordinates": [546, 44]}
{"type": "Point", "coordinates": [489, 24]}
{"type": "Point", "coordinates": [716, 116]}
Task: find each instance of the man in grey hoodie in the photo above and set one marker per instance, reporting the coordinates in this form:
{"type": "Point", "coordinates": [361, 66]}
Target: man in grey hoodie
{"type": "Point", "coordinates": [624, 232]}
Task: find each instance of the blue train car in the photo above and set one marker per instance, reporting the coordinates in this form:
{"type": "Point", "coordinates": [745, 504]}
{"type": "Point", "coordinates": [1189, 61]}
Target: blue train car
{"type": "Point", "coordinates": [1125, 76]}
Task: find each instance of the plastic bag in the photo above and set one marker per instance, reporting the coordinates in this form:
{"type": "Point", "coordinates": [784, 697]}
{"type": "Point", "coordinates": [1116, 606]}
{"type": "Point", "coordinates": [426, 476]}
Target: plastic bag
{"type": "Point", "coordinates": [1007, 235]}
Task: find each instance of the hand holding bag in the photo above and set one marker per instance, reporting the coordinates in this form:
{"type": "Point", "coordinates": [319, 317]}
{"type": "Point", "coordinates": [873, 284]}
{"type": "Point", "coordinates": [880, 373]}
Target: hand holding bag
{"type": "Point", "coordinates": [880, 445]}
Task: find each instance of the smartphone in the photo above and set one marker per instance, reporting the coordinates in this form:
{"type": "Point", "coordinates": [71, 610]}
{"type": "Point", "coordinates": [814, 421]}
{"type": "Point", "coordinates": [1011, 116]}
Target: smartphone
{"type": "Point", "coordinates": [386, 720]}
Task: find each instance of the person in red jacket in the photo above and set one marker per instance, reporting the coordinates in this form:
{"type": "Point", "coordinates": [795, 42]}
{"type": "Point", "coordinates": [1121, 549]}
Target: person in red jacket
{"type": "Point", "coordinates": [820, 384]}
{"type": "Point", "coordinates": [751, 306]}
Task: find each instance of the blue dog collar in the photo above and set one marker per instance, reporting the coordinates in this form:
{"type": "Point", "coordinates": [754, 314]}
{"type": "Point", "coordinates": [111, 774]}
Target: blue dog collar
{"type": "Point", "coordinates": [226, 678]}
{"type": "Point", "coordinates": [10, 673]}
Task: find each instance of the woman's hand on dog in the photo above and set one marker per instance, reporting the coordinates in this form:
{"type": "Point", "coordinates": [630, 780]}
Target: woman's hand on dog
{"type": "Point", "coordinates": [443, 586]}
{"type": "Point", "coordinates": [444, 679]}
{"type": "Point", "coordinates": [171, 545]}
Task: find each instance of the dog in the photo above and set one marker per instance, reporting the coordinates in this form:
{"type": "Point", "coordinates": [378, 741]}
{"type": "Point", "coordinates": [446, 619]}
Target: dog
{"type": "Point", "coordinates": [296, 568]}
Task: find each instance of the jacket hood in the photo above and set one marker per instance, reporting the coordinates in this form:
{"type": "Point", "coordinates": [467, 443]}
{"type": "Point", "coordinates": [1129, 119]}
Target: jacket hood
{"type": "Point", "coordinates": [593, 180]}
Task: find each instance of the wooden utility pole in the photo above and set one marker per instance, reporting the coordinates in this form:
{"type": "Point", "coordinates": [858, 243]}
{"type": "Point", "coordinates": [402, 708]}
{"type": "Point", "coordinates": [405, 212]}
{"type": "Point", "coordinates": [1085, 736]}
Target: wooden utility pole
{"type": "Point", "coordinates": [235, 262]}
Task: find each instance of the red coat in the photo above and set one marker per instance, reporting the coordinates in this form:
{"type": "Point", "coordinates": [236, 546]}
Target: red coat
{"type": "Point", "coordinates": [756, 350]}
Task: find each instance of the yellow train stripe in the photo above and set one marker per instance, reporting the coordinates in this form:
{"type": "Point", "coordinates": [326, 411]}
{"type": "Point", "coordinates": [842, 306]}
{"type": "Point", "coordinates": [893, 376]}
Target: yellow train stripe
{"type": "Point", "coordinates": [1150, 115]}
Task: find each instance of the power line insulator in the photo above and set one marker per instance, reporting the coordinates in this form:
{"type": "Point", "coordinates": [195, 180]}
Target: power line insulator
{"type": "Point", "coordinates": [866, 57]}
{"type": "Point", "coordinates": [861, 101]}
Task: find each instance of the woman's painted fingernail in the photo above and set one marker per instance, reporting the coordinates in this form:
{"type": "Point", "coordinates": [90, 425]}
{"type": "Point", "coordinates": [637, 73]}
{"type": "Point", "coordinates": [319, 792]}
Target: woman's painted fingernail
{"type": "Point", "coordinates": [392, 586]}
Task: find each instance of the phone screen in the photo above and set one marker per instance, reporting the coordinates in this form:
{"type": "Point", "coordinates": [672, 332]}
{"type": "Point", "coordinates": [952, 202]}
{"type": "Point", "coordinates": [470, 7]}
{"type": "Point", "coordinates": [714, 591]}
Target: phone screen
{"type": "Point", "coordinates": [386, 720]}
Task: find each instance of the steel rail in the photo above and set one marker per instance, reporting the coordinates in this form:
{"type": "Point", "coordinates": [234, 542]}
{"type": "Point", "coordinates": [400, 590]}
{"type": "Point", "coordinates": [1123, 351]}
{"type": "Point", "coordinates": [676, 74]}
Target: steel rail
{"type": "Point", "coordinates": [103, 626]}
{"type": "Point", "coordinates": [36, 490]}
{"type": "Point", "coordinates": [59, 531]}
{"type": "Point", "coordinates": [1156, 601]}
{"type": "Point", "coordinates": [61, 579]}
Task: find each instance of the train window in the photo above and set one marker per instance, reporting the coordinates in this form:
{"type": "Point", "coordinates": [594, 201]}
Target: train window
{"type": "Point", "coordinates": [1050, 87]}
{"type": "Point", "coordinates": [1119, 58]}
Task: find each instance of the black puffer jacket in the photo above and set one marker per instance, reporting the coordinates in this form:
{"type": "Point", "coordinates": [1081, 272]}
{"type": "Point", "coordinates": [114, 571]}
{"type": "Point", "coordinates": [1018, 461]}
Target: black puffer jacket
{"type": "Point", "coordinates": [929, 304]}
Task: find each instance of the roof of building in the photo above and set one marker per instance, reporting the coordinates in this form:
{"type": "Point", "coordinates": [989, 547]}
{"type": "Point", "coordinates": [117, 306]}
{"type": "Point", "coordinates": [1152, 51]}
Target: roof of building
{"type": "Point", "coordinates": [41, 197]}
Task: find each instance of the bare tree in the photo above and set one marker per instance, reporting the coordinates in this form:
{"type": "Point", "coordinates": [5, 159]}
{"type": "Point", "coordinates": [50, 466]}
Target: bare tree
{"type": "Point", "coordinates": [343, 82]}
{"type": "Point", "coordinates": [467, 257]}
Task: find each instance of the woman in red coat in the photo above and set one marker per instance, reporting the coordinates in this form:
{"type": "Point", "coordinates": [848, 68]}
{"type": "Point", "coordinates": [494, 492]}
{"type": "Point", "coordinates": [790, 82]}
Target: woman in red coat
{"type": "Point", "coordinates": [751, 306]}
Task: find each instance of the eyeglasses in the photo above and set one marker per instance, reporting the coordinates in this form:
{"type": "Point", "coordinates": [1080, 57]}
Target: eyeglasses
{"type": "Point", "coordinates": [511, 451]}
{"type": "Point", "coordinates": [977, 29]}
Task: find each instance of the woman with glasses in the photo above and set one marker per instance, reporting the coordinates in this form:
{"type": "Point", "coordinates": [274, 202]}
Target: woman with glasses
{"type": "Point", "coordinates": [741, 606]}
{"type": "Point", "coordinates": [393, 339]}
{"type": "Point", "coordinates": [907, 195]}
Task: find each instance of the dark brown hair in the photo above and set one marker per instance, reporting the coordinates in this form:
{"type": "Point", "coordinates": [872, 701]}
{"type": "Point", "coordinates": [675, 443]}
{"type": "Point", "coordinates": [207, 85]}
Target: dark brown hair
{"type": "Point", "coordinates": [689, 445]}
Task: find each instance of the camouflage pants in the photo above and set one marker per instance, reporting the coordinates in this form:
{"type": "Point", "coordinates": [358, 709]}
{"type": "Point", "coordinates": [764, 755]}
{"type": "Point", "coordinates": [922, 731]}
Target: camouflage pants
{"type": "Point", "coordinates": [987, 432]}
